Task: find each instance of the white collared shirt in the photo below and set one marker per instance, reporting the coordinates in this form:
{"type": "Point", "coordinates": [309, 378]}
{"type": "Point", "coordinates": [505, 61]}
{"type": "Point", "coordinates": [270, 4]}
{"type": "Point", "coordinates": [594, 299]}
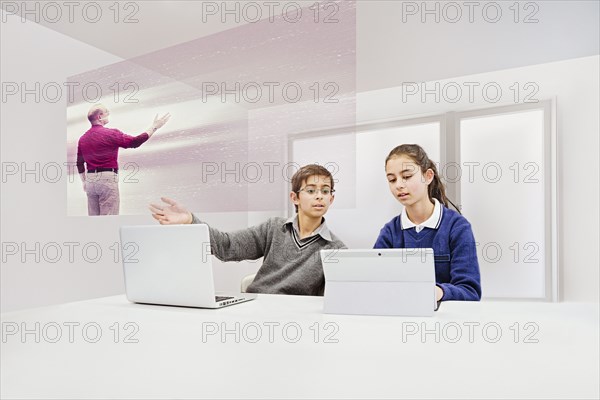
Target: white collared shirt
{"type": "Point", "coordinates": [432, 222]}
{"type": "Point", "coordinates": [322, 230]}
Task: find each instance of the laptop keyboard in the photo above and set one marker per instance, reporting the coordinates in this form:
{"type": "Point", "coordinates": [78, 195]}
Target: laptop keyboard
{"type": "Point", "coordinates": [221, 298]}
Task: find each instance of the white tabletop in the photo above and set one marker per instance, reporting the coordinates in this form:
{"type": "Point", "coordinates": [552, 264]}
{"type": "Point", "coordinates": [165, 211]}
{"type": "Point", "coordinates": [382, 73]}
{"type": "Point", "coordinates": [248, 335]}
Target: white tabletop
{"type": "Point", "coordinates": [505, 349]}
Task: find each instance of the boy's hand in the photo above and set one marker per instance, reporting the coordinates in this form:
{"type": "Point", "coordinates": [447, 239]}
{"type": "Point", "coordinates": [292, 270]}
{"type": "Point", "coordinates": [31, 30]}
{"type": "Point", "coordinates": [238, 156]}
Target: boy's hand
{"type": "Point", "coordinates": [170, 214]}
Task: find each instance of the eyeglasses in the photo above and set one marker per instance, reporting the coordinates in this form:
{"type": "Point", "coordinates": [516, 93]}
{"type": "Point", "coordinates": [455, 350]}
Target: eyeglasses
{"type": "Point", "coordinates": [311, 191]}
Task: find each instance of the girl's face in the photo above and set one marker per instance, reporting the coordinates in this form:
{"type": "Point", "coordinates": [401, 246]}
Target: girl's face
{"type": "Point", "coordinates": [407, 183]}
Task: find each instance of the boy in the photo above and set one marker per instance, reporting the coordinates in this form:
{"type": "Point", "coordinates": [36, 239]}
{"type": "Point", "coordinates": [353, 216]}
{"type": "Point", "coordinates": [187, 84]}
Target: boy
{"type": "Point", "coordinates": [292, 263]}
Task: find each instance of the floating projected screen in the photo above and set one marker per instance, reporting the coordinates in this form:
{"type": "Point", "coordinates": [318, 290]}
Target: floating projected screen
{"type": "Point", "coordinates": [235, 99]}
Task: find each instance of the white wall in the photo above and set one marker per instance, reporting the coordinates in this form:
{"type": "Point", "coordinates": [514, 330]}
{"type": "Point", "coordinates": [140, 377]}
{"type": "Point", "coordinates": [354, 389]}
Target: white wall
{"type": "Point", "coordinates": [34, 212]}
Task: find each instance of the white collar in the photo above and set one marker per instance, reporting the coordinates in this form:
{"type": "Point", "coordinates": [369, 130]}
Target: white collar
{"type": "Point", "coordinates": [432, 222]}
{"type": "Point", "coordinates": [321, 230]}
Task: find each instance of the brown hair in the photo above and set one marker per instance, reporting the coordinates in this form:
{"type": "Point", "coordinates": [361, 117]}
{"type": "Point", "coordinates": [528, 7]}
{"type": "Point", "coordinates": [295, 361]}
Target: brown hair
{"type": "Point", "coordinates": [436, 188]}
{"type": "Point", "coordinates": [306, 172]}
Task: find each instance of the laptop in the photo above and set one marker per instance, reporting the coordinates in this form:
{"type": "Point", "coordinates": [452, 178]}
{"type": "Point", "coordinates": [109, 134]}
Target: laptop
{"type": "Point", "coordinates": [171, 265]}
{"type": "Point", "coordinates": [379, 282]}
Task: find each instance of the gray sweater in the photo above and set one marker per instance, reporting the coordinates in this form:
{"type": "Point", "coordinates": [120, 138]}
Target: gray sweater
{"type": "Point", "coordinates": [290, 265]}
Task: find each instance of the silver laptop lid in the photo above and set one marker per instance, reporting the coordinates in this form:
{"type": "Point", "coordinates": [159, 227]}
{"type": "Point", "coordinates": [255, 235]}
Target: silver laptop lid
{"type": "Point", "coordinates": [168, 264]}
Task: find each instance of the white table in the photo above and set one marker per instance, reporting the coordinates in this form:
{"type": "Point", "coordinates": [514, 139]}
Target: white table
{"type": "Point", "coordinates": [179, 352]}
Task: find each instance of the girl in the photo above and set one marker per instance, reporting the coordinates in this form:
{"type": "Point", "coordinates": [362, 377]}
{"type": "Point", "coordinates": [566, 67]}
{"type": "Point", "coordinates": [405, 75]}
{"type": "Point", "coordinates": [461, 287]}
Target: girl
{"type": "Point", "coordinates": [427, 222]}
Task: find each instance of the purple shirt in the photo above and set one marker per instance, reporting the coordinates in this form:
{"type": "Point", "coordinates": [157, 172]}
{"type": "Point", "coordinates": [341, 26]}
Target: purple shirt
{"type": "Point", "coordinates": [99, 147]}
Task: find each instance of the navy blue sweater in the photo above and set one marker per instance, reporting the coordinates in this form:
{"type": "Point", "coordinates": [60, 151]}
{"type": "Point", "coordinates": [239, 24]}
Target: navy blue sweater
{"type": "Point", "coordinates": [455, 253]}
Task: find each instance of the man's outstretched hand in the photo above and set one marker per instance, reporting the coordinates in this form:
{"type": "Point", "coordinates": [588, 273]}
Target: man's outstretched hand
{"type": "Point", "coordinates": [170, 214]}
{"type": "Point", "coordinates": [158, 123]}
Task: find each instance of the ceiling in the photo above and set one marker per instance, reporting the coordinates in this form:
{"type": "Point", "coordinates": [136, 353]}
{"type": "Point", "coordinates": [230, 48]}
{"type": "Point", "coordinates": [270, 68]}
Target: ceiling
{"type": "Point", "coordinates": [393, 43]}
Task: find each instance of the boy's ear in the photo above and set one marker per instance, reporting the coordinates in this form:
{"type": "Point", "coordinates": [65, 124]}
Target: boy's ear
{"type": "Point", "coordinates": [294, 198]}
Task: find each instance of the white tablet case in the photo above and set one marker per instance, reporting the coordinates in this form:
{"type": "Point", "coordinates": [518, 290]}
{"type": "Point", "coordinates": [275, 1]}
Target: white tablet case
{"type": "Point", "coordinates": [379, 282]}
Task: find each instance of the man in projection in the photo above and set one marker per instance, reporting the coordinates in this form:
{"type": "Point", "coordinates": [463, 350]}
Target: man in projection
{"type": "Point", "coordinates": [98, 149]}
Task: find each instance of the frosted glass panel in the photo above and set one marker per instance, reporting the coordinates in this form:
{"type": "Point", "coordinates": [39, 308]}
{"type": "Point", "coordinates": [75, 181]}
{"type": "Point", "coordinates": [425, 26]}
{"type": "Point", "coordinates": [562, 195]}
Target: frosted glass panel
{"type": "Point", "coordinates": [502, 195]}
{"type": "Point", "coordinates": [363, 202]}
